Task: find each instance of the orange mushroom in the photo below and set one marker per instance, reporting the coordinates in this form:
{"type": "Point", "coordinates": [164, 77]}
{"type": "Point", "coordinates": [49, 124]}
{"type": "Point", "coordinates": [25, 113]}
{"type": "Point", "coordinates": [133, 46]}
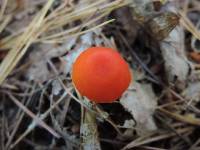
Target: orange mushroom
{"type": "Point", "coordinates": [101, 74]}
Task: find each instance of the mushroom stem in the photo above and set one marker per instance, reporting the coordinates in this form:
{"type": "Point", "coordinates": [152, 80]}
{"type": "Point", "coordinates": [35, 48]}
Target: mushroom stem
{"type": "Point", "coordinates": [89, 131]}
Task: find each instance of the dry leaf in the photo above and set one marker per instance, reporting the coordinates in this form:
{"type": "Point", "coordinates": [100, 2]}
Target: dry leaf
{"type": "Point", "coordinates": [38, 70]}
{"type": "Point", "coordinates": [141, 102]}
{"type": "Point", "coordinates": [176, 64]}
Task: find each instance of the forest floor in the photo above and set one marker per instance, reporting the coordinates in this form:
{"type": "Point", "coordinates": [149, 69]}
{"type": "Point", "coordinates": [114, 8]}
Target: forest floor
{"type": "Point", "coordinates": [39, 106]}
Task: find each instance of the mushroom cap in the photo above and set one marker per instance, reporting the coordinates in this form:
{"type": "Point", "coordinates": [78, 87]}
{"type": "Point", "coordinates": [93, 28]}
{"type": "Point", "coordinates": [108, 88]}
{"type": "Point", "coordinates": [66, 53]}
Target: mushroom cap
{"type": "Point", "coordinates": [101, 74]}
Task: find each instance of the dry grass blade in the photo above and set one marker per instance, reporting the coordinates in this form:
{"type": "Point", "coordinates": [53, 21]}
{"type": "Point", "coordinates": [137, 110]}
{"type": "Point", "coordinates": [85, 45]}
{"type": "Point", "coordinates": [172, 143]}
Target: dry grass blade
{"type": "Point", "coordinates": [156, 138]}
{"type": "Point", "coordinates": [63, 39]}
{"type": "Point", "coordinates": [21, 45]}
{"type": "Point", "coordinates": [189, 25]}
{"type": "Point", "coordinates": [152, 148]}
{"type": "Point", "coordinates": [75, 29]}
{"type": "Point", "coordinates": [5, 22]}
{"type": "Point", "coordinates": [8, 42]}
{"type": "Point", "coordinates": [186, 119]}
{"type": "Point", "coordinates": [39, 25]}
{"type": "Point", "coordinates": [40, 40]}
{"type": "Point", "coordinates": [19, 115]}
{"type": "Point", "coordinates": [38, 120]}
{"type": "Point", "coordinates": [64, 16]}
{"type": "Point", "coordinates": [3, 7]}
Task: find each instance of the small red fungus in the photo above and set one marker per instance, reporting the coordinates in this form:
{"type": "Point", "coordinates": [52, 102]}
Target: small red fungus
{"type": "Point", "coordinates": [101, 74]}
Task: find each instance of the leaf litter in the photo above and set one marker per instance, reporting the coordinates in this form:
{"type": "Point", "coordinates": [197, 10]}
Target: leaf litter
{"type": "Point", "coordinates": [40, 40]}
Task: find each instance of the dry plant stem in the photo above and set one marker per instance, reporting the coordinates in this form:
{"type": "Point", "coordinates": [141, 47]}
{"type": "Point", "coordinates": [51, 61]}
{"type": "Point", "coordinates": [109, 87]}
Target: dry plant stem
{"type": "Point", "coordinates": [89, 131]}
